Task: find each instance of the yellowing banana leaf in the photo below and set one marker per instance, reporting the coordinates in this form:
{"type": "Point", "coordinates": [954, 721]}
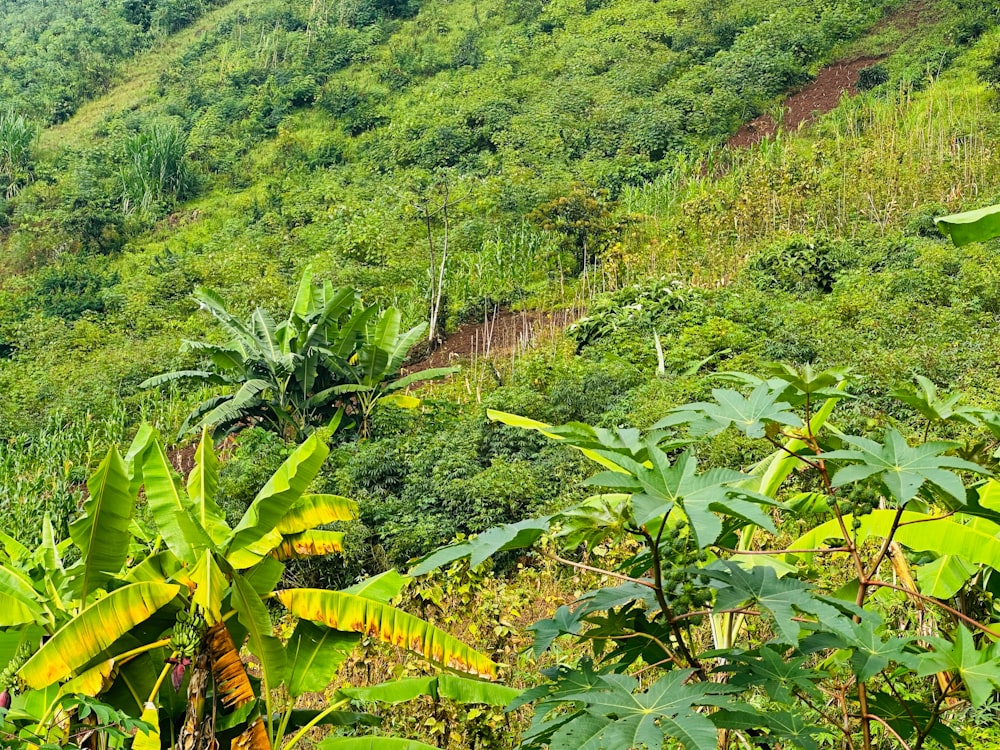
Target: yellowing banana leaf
{"type": "Point", "coordinates": [373, 743]}
{"type": "Point", "coordinates": [148, 740]}
{"type": "Point", "coordinates": [402, 400]}
{"type": "Point", "coordinates": [309, 544]}
{"type": "Point", "coordinates": [515, 420]}
{"type": "Point", "coordinates": [93, 630]}
{"type": "Point", "coordinates": [93, 681]}
{"type": "Point", "coordinates": [231, 680]}
{"type": "Point", "coordinates": [352, 613]}
{"type": "Point", "coordinates": [202, 485]}
{"type": "Point", "coordinates": [254, 737]}
{"type": "Point", "coordinates": [276, 498]}
{"type": "Point", "coordinates": [310, 511]}
{"type": "Point", "coordinates": [102, 530]}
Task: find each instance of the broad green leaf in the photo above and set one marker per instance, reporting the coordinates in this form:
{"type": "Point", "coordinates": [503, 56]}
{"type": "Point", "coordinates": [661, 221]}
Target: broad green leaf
{"type": "Point", "coordinates": [944, 577]}
{"type": "Point", "coordinates": [102, 531]}
{"type": "Point", "coordinates": [13, 548]}
{"type": "Point", "coordinates": [19, 600]}
{"type": "Point", "coordinates": [255, 534]}
{"type": "Point", "coordinates": [313, 655]}
{"type": "Point", "coordinates": [373, 743]}
{"type": "Point", "coordinates": [202, 484]}
{"type": "Point", "coordinates": [979, 669]}
{"type": "Point", "coordinates": [432, 373]}
{"type": "Point", "coordinates": [93, 630]}
{"type": "Point", "coordinates": [770, 670]}
{"type": "Point", "coordinates": [645, 719]}
{"type": "Point", "coordinates": [871, 654]}
{"type": "Point", "coordinates": [971, 226]}
{"type": "Point", "coordinates": [925, 399]}
{"type": "Point", "coordinates": [262, 642]}
{"type": "Point", "coordinates": [901, 713]}
{"type": "Point", "coordinates": [170, 508]}
{"type": "Point", "coordinates": [749, 414]}
{"type": "Point", "coordinates": [310, 511]}
{"type": "Point", "coordinates": [401, 401]}
{"type": "Point", "coordinates": [382, 588]}
{"type": "Point", "coordinates": [518, 535]}
{"type": "Point", "coordinates": [781, 599]}
{"type": "Point", "coordinates": [352, 613]}
{"type": "Point", "coordinates": [974, 543]}
{"type": "Point", "coordinates": [210, 587]}
{"type": "Point", "coordinates": [902, 469]}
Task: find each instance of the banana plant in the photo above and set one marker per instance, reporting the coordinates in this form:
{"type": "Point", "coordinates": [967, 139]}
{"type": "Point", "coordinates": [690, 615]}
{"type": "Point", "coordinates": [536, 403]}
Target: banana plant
{"type": "Point", "coordinates": [329, 353]}
{"type": "Point", "coordinates": [382, 349]}
{"type": "Point", "coordinates": [153, 623]}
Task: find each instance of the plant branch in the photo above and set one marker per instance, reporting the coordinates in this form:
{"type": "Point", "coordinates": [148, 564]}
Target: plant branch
{"type": "Point", "coordinates": [599, 571]}
{"type": "Point", "coordinates": [931, 600]}
{"type": "Point", "coordinates": [888, 728]}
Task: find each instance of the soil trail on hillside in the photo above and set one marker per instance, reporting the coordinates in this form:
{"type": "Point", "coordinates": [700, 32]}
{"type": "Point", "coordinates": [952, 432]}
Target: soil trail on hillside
{"type": "Point", "coordinates": [834, 81]}
{"type": "Point", "coordinates": [805, 105]}
{"type": "Point", "coordinates": [502, 332]}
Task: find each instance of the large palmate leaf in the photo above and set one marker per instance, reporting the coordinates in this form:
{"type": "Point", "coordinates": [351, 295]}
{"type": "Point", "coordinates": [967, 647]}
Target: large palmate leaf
{"type": "Point", "coordinates": [255, 534]}
{"type": "Point", "coordinates": [769, 669]}
{"type": "Point", "coordinates": [979, 669]}
{"type": "Point", "coordinates": [925, 399]}
{"type": "Point", "coordinates": [971, 226]}
{"type": "Point", "coordinates": [871, 654]}
{"type": "Point", "coordinates": [902, 469]}
{"type": "Point", "coordinates": [102, 530]}
{"type": "Point", "coordinates": [908, 717]}
{"type": "Point", "coordinates": [348, 612]}
{"type": "Point", "coordinates": [783, 600]}
{"type": "Point", "coordinates": [93, 630]}
{"type": "Point", "coordinates": [749, 414]}
{"type": "Point", "coordinates": [617, 716]}
{"type": "Point", "coordinates": [310, 511]}
{"type": "Point", "coordinates": [662, 485]}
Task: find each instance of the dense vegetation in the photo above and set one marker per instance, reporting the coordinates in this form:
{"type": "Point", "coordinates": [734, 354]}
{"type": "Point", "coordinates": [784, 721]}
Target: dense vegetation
{"type": "Point", "coordinates": [446, 159]}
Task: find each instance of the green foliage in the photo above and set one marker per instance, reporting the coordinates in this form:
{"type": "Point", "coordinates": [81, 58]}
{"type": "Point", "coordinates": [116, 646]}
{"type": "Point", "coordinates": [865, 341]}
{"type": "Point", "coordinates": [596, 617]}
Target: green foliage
{"type": "Point", "coordinates": [155, 171]}
{"type": "Point", "coordinates": [298, 375]}
{"type": "Point", "coordinates": [136, 596]}
{"type": "Point", "coordinates": [706, 558]}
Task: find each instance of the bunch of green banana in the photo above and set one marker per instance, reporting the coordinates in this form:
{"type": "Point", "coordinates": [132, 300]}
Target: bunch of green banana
{"type": "Point", "coordinates": [189, 630]}
{"type": "Point", "coordinates": [9, 681]}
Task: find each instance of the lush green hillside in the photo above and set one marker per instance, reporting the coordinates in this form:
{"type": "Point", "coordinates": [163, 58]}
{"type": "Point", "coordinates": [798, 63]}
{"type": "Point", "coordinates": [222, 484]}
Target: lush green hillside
{"type": "Point", "coordinates": [578, 148]}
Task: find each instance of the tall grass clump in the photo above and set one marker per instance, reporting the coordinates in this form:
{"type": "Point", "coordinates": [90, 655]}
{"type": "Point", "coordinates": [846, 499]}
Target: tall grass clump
{"type": "Point", "coordinates": [155, 170]}
{"type": "Point", "coordinates": [17, 140]}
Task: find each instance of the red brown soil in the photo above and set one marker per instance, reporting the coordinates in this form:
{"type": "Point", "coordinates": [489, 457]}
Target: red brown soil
{"type": "Point", "coordinates": [833, 81]}
{"type": "Point", "coordinates": [818, 97]}
{"type": "Point", "coordinates": [501, 333]}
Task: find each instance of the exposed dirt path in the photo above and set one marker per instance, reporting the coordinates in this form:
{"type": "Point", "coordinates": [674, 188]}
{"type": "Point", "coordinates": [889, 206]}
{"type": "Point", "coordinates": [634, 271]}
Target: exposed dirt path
{"type": "Point", "coordinates": [816, 98]}
{"type": "Point", "coordinates": [833, 81]}
{"type": "Point", "coordinates": [501, 333]}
